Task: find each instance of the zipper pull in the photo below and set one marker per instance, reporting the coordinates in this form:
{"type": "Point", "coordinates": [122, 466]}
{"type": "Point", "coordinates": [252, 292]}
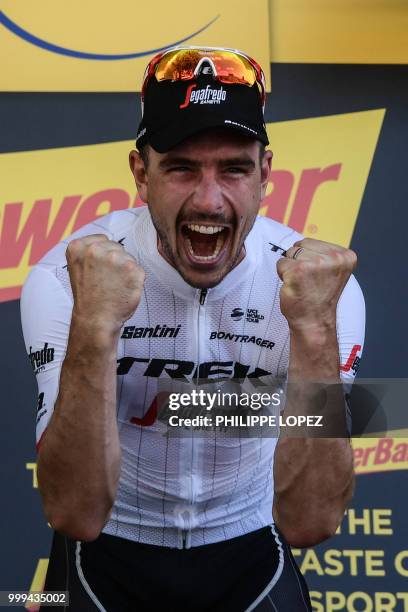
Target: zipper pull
{"type": "Point", "coordinates": [203, 295]}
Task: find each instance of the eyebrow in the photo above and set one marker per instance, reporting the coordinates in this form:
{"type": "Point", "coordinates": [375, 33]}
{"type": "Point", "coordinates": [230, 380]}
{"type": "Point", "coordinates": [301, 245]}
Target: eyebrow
{"type": "Point", "coordinates": [173, 160]}
{"type": "Point", "coordinates": [242, 160]}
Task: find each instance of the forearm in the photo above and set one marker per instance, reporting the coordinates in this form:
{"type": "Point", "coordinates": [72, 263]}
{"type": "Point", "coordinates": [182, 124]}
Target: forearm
{"type": "Point", "coordinates": [313, 475]}
{"type": "Point", "coordinates": [79, 456]}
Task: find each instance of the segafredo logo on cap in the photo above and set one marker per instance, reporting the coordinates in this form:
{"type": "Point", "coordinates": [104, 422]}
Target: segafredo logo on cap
{"type": "Point", "coordinates": [205, 95]}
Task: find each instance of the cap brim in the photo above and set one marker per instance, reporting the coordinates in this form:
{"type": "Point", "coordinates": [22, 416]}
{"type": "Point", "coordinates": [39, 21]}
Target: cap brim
{"type": "Point", "coordinates": [173, 135]}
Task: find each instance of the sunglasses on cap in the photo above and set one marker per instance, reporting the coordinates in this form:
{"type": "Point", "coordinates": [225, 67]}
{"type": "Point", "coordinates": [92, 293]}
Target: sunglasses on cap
{"type": "Point", "coordinates": [225, 65]}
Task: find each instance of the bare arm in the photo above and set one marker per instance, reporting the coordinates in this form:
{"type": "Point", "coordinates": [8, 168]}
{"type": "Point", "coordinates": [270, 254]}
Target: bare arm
{"type": "Point", "coordinates": [313, 475]}
{"type": "Point", "coordinates": [79, 455]}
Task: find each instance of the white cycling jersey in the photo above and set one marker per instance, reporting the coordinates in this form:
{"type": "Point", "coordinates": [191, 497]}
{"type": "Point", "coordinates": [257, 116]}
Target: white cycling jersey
{"type": "Point", "coordinates": [193, 490]}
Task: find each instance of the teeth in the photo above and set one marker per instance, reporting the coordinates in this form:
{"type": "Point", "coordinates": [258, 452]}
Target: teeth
{"type": "Point", "coordinates": [206, 229]}
{"type": "Point", "coordinates": [218, 246]}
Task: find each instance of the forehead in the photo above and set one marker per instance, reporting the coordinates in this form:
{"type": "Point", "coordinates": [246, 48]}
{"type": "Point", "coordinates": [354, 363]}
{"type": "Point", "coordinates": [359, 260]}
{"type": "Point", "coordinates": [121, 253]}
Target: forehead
{"type": "Point", "coordinates": [223, 141]}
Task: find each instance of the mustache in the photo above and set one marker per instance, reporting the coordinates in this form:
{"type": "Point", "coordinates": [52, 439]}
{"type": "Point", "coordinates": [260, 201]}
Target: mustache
{"type": "Point", "coordinates": [198, 217]}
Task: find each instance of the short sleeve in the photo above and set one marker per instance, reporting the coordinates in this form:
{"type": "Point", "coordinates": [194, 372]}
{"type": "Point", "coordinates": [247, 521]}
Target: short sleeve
{"type": "Point", "coordinates": [350, 336]}
{"type": "Point", "coordinates": [46, 310]}
{"type": "Point", "coordinates": [350, 329]}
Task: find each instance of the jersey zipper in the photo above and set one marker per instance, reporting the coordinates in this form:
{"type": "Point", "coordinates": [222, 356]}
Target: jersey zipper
{"type": "Point", "coordinates": [200, 313]}
{"type": "Point", "coordinates": [203, 295]}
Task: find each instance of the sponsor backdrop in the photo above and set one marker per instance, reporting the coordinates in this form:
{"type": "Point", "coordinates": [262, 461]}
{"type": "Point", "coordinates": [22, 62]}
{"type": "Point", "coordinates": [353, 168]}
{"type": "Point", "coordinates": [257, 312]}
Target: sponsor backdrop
{"type": "Point", "coordinates": [337, 120]}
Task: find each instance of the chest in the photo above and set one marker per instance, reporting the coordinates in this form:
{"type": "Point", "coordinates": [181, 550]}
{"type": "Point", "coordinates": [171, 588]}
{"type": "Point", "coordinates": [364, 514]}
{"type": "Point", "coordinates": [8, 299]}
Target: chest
{"type": "Point", "coordinates": [243, 333]}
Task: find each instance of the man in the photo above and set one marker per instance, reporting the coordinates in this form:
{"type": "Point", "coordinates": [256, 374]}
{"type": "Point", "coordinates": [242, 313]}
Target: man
{"type": "Point", "coordinates": [193, 286]}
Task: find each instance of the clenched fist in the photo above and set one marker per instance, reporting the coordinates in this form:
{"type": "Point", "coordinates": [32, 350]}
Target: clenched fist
{"type": "Point", "coordinates": [107, 282]}
{"type": "Point", "coordinates": [314, 273]}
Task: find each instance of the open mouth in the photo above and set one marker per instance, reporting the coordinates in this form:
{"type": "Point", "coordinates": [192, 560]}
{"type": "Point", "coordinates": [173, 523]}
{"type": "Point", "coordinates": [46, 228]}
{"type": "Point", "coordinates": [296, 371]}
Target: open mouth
{"type": "Point", "coordinates": [205, 244]}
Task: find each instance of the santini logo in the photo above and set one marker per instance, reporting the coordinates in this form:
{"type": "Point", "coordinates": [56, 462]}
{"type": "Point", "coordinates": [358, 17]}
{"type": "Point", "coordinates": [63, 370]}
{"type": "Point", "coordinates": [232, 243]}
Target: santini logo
{"type": "Point", "coordinates": [160, 331]}
{"type": "Point", "coordinates": [206, 95]}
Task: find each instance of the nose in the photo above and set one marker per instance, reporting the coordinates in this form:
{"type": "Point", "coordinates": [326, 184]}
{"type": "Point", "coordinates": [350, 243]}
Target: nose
{"type": "Point", "coordinates": [208, 198]}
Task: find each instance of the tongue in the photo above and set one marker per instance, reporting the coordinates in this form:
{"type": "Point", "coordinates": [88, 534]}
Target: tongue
{"type": "Point", "coordinates": [203, 244]}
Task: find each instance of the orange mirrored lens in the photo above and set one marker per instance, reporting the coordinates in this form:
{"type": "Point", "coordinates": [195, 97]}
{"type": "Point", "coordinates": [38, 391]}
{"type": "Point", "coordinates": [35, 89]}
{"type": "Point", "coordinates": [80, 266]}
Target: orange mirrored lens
{"type": "Point", "coordinates": [230, 68]}
{"type": "Point", "coordinates": [233, 68]}
{"type": "Point", "coordinates": [177, 65]}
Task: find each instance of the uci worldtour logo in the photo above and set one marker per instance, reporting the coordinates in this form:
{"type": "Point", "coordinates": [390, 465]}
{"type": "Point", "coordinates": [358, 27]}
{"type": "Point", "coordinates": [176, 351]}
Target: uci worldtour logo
{"type": "Point", "coordinates": [205, 95]}
{"type": "Point", "coordinates": [251, 315]}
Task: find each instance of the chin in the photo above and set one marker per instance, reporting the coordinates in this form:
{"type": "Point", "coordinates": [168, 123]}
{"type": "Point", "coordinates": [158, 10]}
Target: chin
{"type": "Point", "coordinates": [204, 280]}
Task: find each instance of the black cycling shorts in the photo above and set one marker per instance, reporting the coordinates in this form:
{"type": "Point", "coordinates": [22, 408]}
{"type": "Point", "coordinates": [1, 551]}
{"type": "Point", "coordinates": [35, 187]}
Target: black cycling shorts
{"type": "Point", "coordinates": [255, 571]}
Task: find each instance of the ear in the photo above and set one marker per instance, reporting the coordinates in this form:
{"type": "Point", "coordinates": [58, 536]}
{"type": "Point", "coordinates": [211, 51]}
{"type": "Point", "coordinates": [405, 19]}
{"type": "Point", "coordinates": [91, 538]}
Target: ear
{"type": "Point", "coordinates": [266, 169]}
{"type": "Point", "coordinates": [139, 172]}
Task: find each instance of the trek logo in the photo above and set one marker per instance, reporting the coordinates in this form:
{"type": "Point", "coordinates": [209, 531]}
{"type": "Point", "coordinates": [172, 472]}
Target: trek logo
{"type": "Point", "coordinates": [353, 360]}
{"type": "Point", "coordinates": [39, 359]}
{"type": "Point", "coordinates": [160, 331]}
{"type": "Point", "coordinates": [205, 95]}
{"type": "Point", "coordinates": [179, 369]}
{"type": "Point", "coordinates": [277, 249]}
{"type": "Point", "coordinates": [263, 343]}
{"type": "Point", "coordinates": [356, 365]}
{"type": "Point", "coordinates": [252, 315]}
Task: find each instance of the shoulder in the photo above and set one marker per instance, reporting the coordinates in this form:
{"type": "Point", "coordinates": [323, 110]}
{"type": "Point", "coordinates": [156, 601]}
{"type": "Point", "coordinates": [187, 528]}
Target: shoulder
{"type": "Point", "coordinates": [116, 226]}
{"type": "Point", "coordinates": [275, 236]}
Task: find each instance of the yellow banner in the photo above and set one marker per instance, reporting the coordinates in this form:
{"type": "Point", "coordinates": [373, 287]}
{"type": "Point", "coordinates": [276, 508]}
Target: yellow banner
{"type": "Point", "coordinates": [321, 167]}
{"type": "Point", "coordinates": [339, 31]}
{"type": "Point", "coordinates": [37, 583]}
{"type": "Point", "coordinates": [50, 45]}
{"type": "Point", "coordinates": [319, 174]}
{"type": "Point", "coordinates": [380, 454]}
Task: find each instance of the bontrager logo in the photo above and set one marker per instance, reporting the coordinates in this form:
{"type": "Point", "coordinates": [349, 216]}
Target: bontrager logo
{"type": "Point", "coordinates": [160, 331]}
{"type": "Point", "coordinates": [262, 342]}
{"type": "Point", "coordinates": [39, 359]}
{"type": "Point", "coordinates": [252, 315]}
{"type": "Point", "coordinates": [205, 95]}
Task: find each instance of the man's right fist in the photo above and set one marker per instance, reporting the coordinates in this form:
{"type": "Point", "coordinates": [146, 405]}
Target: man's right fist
{"type": "Point", "coordinates": [106, 282]}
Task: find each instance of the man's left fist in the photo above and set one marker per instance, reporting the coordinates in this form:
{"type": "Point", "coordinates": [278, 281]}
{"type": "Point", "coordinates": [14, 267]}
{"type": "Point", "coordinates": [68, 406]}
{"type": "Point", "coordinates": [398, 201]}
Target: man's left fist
{"type": "Point", "coordinates": [314, 273]}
